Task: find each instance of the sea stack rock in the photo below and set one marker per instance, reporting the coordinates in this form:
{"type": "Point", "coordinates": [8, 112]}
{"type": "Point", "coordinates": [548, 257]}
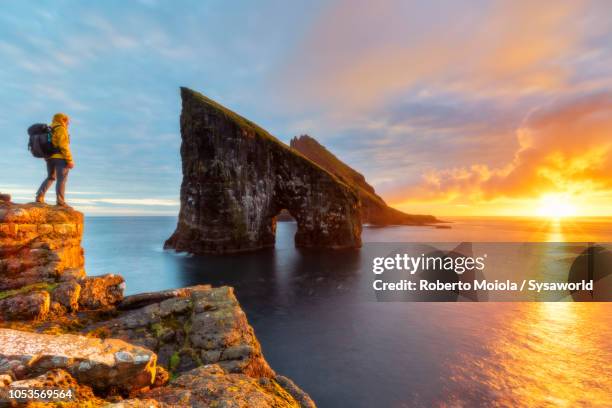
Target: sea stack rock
{"type": "Point", "coordinates": [237, 178]}
{"type": "Point", "coordinates": [374, 210]}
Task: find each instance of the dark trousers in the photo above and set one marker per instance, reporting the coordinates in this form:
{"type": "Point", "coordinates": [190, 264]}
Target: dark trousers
{"type": "Point", "coordinates": [56, 169]}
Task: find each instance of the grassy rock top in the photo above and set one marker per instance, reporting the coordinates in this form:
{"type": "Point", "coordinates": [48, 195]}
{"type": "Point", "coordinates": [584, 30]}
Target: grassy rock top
{"type": "Point", "coordinates": [243, 122]}
{"type": "Point", "coordinates": [200, 325]}
{"type": "Point", "coordinates": [251, 128]}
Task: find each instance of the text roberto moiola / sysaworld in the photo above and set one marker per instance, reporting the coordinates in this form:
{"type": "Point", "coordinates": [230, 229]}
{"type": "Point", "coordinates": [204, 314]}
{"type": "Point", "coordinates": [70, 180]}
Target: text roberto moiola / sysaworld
{"type": "Point", "coordinates": [422, 264]}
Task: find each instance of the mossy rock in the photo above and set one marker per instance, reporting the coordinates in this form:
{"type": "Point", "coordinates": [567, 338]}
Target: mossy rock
{"type": "Point", "coordinates": [29, 288]}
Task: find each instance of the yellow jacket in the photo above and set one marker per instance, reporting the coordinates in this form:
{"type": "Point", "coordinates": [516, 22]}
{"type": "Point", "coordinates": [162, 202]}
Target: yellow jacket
{"type": "Point", "coordinates": [61, 139]}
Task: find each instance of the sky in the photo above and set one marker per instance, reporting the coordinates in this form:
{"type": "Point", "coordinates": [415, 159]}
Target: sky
{"type": "Point", "coordinates": [447, 107]}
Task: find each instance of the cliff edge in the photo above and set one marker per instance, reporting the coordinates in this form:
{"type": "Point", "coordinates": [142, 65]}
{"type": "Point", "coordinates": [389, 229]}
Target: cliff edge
{"type": "Point", "coordinates": [59, 328]}
{"type": "Point", "coordinates": [42, 264]}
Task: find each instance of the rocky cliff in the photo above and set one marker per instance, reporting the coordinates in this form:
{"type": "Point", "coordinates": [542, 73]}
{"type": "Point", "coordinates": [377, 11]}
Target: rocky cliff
{"type": "Point", "coordinates": [42, 264]}
{"type": "Point", "coordinates": [236, 180]}
{"type": "Point", "coordinates": [39, 245]}
{"type": "Point", "coordinates": [188, 347]}
{"type": "Point", "coordinates": [374, 210]}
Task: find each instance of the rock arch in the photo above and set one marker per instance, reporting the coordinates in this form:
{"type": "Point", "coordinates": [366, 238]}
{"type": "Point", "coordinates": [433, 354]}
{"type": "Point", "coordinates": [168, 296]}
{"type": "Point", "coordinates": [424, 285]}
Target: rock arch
{"type": "Point", "coordinates": [237, 178]}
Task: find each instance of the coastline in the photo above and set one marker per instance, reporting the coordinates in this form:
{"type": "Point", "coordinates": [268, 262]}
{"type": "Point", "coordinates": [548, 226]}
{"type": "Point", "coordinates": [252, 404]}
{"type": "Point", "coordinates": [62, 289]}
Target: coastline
{"type": "Point", "coordinates": [166, 347]}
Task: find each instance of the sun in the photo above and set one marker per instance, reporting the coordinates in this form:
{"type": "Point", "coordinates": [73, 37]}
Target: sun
{"type": "Point", "coordinates": [556, 205]}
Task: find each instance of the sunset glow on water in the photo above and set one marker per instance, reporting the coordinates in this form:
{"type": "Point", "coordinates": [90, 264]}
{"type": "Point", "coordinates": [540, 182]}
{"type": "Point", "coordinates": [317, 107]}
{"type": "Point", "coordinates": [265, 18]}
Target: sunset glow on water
{"type": "Point", "coordinates": [503, 229]}
{"type": "Point", "coordinates": [315, 317]}
{"type": "Point", "coordinates": [537, 354]}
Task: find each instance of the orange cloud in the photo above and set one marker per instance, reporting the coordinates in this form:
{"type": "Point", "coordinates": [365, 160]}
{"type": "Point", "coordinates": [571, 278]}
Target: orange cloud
{"type": "Point", "coordinates": [563, 148]}
{"type": "Point", "coordinates": [360, 53]}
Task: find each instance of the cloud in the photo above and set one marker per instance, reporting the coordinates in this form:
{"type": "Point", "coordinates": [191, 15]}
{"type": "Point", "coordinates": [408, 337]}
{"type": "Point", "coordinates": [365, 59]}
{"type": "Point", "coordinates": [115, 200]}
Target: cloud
{"type": "Point", "coordinates": [21, 190]}
{"type": "Point", "coordinates": [360, 54]}
{"type": "Point", "coordinates": [139, 201]}
{"type": "Point", "coordinates": [98, 201]}
{"type": "Point", "coordinates": [563, 148]}
{"type": "Point", "coordinates": [59, 96]}
{"type": "Point", "coordinates": [145, 202]}
{"type": "Point", "coordinates": [123, 211]}
{"type": "Point", "coordinates": [393, 88]}
{"type": "Point", "coordinates": [449, 96]}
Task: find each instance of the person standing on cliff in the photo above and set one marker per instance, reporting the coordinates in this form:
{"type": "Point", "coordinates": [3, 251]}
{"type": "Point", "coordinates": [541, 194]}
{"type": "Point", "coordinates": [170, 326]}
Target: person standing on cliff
{"type": "Point", "coordinates": [60, 163]}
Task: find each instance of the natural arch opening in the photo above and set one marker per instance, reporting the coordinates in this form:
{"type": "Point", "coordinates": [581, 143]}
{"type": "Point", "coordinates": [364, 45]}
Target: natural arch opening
{"type": "Point", "coordinates": [285, 226]}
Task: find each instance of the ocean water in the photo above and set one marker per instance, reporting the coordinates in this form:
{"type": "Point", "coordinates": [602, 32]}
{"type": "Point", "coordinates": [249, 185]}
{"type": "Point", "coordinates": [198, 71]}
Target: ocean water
{"type": "Point", "coordinates": [318, 323]}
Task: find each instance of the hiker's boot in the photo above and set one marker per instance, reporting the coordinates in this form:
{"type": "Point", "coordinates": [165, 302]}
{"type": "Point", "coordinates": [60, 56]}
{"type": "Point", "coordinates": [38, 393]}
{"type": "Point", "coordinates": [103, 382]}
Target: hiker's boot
{"type": "Point", "coordinates": [64, 205]}
{"type": "Point", "coordinates": [40, 199]}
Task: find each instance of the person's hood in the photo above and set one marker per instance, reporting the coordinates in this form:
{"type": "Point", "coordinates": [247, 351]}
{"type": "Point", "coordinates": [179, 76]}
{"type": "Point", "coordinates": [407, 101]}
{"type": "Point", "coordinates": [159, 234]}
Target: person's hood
{"type": "Point", "coordinates": [58, 119]}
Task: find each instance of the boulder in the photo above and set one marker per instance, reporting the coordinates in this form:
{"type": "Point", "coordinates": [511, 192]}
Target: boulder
{"type": "Point", "coordinates": [144, 299]}
{"type": "Point", "coordinates": [101, 364]}
{"type": "Point", "coordinates": [99, 292]}
{"type": "Point", "coordinates": [67, 295]}
{"type": "Point", "coordinates": [205, 325]}
{"type": "Point", "coordinates": [32, 305]}
{"type": "Point", "coordinates": [61, 379]}
{"type": "Point", "coordinates": [211, 386]}
{"type": "Point", "coordinates": [237, 178]}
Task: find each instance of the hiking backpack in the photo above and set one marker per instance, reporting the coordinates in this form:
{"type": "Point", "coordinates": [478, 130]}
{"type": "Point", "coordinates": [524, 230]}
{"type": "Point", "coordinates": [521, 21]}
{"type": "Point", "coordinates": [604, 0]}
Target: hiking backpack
{"type": "Point", "coordinates": [40, 144]}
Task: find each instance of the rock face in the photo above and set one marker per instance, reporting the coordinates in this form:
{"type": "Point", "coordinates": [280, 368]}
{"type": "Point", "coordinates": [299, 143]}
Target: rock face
{"type": "Point", "coordinates": [41, 264]}
{"type": "Point", "coordinates": [374, 210]}
{"type": "Point", "coordinates": [31, 305]}
{"type": "Point", "coordinates": [101, 364]}
{"type": "Point", "coordinates": [237, 178]}
{"type": "Point", "coordinates": [199, 333]}
{"type": "Point", "coordinates": [211, 386]}
{"type": "Point", "coordinates": [39, 243]}
{"type": "Point", "coordinates": [100, 291]}
{"type": "Point", "coordinates": [201, 325]}
{"type": "Point", "coordinates": [121, 340]}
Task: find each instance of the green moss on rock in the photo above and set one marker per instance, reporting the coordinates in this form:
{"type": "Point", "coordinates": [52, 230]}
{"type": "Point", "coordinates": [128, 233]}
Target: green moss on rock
{"type": "Point", "coordinates": [29, 288]}
{"type": "Point", "coordinates": [175, 360]}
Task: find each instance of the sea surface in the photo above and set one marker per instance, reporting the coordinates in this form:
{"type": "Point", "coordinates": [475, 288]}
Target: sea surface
{"type": "Point", "coordinates": [319, 323]}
